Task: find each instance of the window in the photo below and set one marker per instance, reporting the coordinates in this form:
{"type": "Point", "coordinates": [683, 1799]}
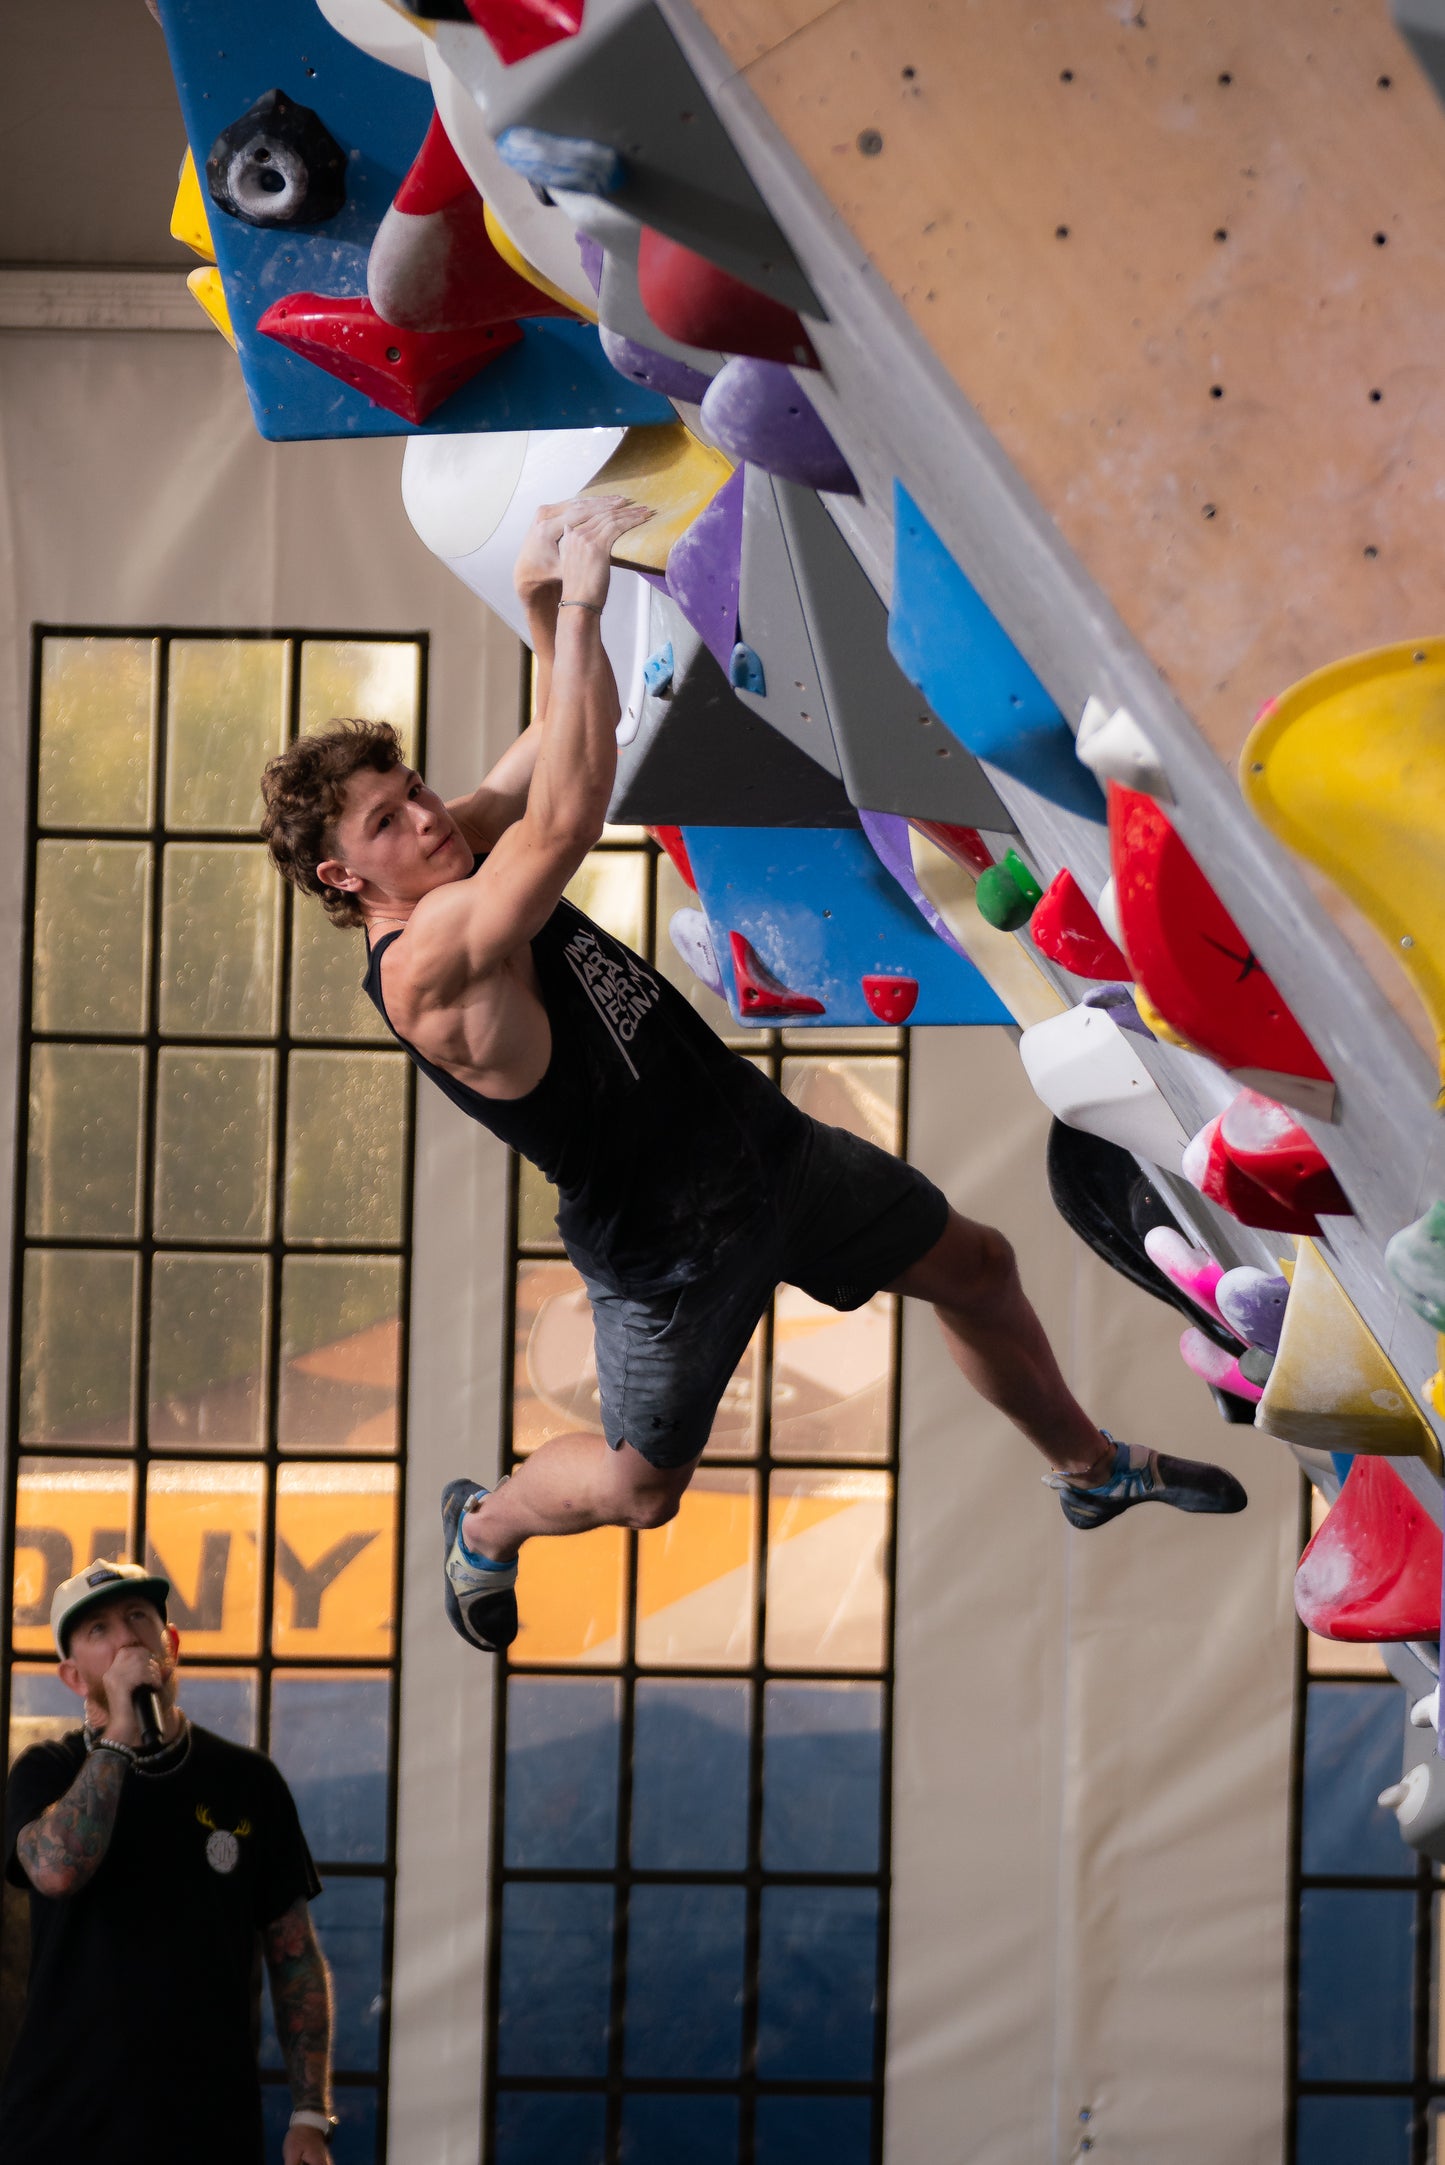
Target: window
{"type": "Point", "coordinates": [212, 1247]}
{"type": "Point", "coordinates": [690, 1868]}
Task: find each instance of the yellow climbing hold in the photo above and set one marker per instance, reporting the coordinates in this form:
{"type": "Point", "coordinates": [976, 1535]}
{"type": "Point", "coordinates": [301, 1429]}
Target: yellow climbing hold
{"type": "Point", "coordinates": [1331, 1387]}
{"type": "Point", "coordinates": [999, 957]}
{"type": "Point", "coordinates": [513, 257]}
{"type": "Point", "coordinates": [1348, 768]}
{"type": "Point", "coordinates": [189, 223]}
{"type": "Point", "coordinates": [1432, 1390]}
{"type": "Point", "coordinates": [1150, 1016]}
{"type": "Point", "coordinates": [666, 467]}
{"type": "Point", "coordinates": [205, 284]}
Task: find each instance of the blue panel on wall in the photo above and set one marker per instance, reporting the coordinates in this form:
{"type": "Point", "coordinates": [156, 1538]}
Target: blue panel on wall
{"type": "Point", "coordinates": [1352, 1751]}
{"type": "Point", "coordinates": [821, 912]}
{"type": "Point", "coordinates": [685, 1980]}
{"type": "Point", "coordinates": [225, 54]}
{"type": "Point", "coordinates": [817, 1983]}
{"type": "Point", "coordinates": [1353, 2131]}
{"type": "Point", "coordinates": [822, 1769]}
{"type": "Point", "coordinates": [562, 1737]}
{"type": "Point", "coordinates": [973, 676]}
{"type": "Point", "coordinates": [1355, 1970]}
{"type": "Point", "coordinates": [547, 2127]}
{"type": "Point", "coordinates": [814, 2131]}
{"type": "Point", "coordinates": [690, 1776]}
{"type": "Point", "coordinates": [670, 2130]}
{"type": "Point", "coordinates": [556, 1979]}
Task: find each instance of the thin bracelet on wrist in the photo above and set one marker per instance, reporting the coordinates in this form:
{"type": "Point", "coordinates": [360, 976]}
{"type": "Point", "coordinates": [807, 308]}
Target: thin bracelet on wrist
{"type": "Point", "coordinates": [594, 606]}
{"type": "Point", "coordinates": [110, 1744]}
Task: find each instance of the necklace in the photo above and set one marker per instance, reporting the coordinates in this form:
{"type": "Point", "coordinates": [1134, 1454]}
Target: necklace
{"type": "Point", "coordinates": [153, 1766]}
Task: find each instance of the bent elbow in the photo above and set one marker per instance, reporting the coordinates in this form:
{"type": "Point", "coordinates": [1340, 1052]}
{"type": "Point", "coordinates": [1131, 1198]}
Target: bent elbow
{"type": "Point", "coordinates": [54, 1883]}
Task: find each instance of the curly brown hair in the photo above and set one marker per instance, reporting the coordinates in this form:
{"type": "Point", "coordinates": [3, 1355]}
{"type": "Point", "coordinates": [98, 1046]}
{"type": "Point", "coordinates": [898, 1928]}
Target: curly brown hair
{"type": "Point", "coordinates": [305, 792]}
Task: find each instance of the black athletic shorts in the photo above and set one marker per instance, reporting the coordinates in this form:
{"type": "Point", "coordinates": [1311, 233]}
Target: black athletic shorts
{"type": "Point", "coordinates": [844, 1220]}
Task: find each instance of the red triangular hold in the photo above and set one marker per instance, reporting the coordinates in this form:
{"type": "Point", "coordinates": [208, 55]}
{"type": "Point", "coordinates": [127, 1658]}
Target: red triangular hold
{"type": "Point", "coordinates": [1372, 1572]}
{"type": "Point", "coordinates": [891, 999]}
{"type": "Point", "coordinates": [964, 844]}
{"type": "Point", "coordinates": [700, 305]}
{"type": "Point", "coordinates": [1270, 1147]}
{"type": "Point", "coordinates": [519, 28]}
{"type": "Point", "coordinates": [408, 372]}
{"type": "Point", "coordinates": [759, 992]}
{"type": "Point", "coordinates": [432, 265]}
{"type": "Point", "coordinates": [1065, 926]}
{"type": "Point", "coordinates": [1209, 1167]}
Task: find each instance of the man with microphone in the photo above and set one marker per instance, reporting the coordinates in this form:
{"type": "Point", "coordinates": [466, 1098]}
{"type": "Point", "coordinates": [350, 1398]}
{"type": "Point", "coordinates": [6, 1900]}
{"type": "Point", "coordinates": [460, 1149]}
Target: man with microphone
{"type": "Point", "coordinates": [159, 1860]}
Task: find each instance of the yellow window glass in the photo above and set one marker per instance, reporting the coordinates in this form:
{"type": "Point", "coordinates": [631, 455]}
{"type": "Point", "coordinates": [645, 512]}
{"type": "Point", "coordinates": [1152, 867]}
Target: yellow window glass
{"type": "Point", "coordinates": [220, 916]}
{"type": "Point", "coordinates": [208, 1352]}
{"type": "Point", "coordinates": [696, 1578]}
{"type": "Point", "coordinates": [735, 1424]}
{"type": "Point", "coordinates": [97, 729]}
{"type": "Point", "coordinates": [335, 1561]}
{"type": "Point", "coordinates": [84, 1141]}
{"type": "Point", "coordinates": [554, 1381]}
{"type": "Point", "coordinates": [610, 887]}
{"type": "Point", "coordinates": [674, 894]}
{"type": "Point", "coordinates": [78, 1334]}
{"type": "Point", "coordinates": [226, 717]}
{"type": "Point", "coordinates": [327, 966]}
{"type": "Point", "coordinates": [536, 1208]}
{"type": "Point", "coordinates": [828, 1536]}
{"type": "Point", "coordinates": [214, 1124]}
{"type": "Point", "coordinates": [832, 1377]}
{"type": "Point", "coordinates": [863, 1096]}
{"type": "Point", "coordinates": [340, 1353]}
{"type": "Point", "coordinates": [92, 914]}
{"type": "Point", "coordinates": [203, 1533]}
{"type": "Point", "coordinates": [575, 1600]}
{"type": "Point", "coordinates": [345, 1146]}
{"type": "Point", "coordinates": [371, 680]}
{"type": "Point", "coordinates": [67, 1513]}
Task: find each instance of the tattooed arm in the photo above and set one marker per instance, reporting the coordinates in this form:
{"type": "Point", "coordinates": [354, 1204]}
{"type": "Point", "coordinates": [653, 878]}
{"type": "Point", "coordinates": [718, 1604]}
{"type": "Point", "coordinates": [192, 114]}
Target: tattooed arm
{"type": "Point", "coordinates": [301, 1997]}
{"type": "Point", "coordinates": [61, 1851]}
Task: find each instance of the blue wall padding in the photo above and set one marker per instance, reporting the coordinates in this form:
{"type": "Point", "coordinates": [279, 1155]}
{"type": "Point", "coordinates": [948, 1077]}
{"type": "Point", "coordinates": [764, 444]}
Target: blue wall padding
{"type": "Point", "coordinates": [227, 53]}
{"type": "Point", "coordinates": [971, 673]}
{"type": "Point", "coordinates": [821, 912]}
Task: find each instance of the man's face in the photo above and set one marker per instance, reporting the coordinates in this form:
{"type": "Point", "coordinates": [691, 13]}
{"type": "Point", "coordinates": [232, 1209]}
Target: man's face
{"type": "Point", "coordinates": [100, 1634]}
{"type": "Point", "coordinates": [395, 840]}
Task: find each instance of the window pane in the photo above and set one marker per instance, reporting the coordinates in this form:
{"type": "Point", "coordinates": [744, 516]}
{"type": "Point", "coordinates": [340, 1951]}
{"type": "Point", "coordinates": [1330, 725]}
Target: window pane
{"type": "Point", "coordinates": [68, 1512]}
{"type": "Point", "coordinates": [556, 1979]}
{"type": "Point", "coordinates": [345, 1146]}
{"type": "Point", "coordinates": [96, 725]}
{"type": "Point", "coordinates": [696, 1578]}
{"type": "Point", "coordinates": [550, 2127]}
{"type": "Point", "coordinates": [350, 1915]}
{"type": "Point", "coordinates": [789, 2129]}
{"type": "Point", "coordinates": [214, 1135]}
{"type": "Point", "coordinates": [554, 1389]}
{"type": "Point", "coordinates": [536, 1208]}
{"type": "Point", "coordinates": [330, 1735]}
{"type": "Point", "coordinates": [78, 1347]}
{"type": "Point", "coordinates": [220, 914]}
{"type": "Point", "coordinates": [203, 1533]}
{"type": "Point", "coordinates": [41, 1708]}
{"type": "Point", "coordinates": [208, 1352]}
{"type": "Point", "coordinates": [685, 1980]}
{"type": "Point", "coordinates": [354, 2104]}
{"type": "Point", "coordinates": [83, 1175]}
{"type": "Point", "coordinates": [340, 1353]}
{"type": "Point", "coordinates": [571, 1597]}
{"type": "Point", "coordinates": [225, 1701]}
{"type": "Point", "coordinates": [817, 1981]}
{"type": "Point", "coordinates": [660, 2130]}
{"type": "Point", "coordinates": [227, 717]}
{"type": "Point", "coordinates": [674, 894]}
{"type": "Point", "coordinates": [828, 1536]}
{"type": "Point", "coordinates": [92, 907]}
{"type": "Point", "coordinates": [1353, 2131]}
{"type": "Point", "coordinates": [610, 887]}
{"type": "Point", "coordinates": [327, 966]}
{"type": "Point", "coordinates": [822, 1775]}
{"type": "Point", "coordinates": [1355, 1964]}
{"type": "Point", "coordinates": [690, 1776]}
{"type": "Point", "coordinates": [832, 1377]}
{"type": "Point", "coordinates": [1353, 1738]}
{"type": "Point", "coordinates": [374, 680]}
{"type": "Point", "coordinates": [562, 1744]}
{"type": "Point", "coordinates": [335, 1561]}
{"type": "Point", "coordinates": [860, 1095]}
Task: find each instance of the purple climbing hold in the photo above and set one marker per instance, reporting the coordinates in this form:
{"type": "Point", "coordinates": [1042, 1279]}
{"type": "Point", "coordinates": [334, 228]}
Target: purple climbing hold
{"type": "Point", "coordinates": [1252, 1303]}
{"type": "Point", "coordinates": [704, 566]}
{"type": "Point", "coordinates": [754, 410]}
{"type": "Point", "coordinates": [889, 836]}
{"type": "Point", "coordinates": [591, 254]}
{"type": "Point", "coordinates": [656, 371]}
{"type": "Point", "coordinates": [1117, 1002]}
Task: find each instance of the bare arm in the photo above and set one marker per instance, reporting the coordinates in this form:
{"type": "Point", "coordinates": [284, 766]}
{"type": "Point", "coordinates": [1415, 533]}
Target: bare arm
{"type": "Point", "coordinates": [301, 1997]}
{"type": "Point", "coordinates": [63, 1849]}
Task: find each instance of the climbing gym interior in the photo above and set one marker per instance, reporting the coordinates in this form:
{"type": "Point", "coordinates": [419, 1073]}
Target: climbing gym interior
{"type": "Point", "coordinates": [1032, 757]}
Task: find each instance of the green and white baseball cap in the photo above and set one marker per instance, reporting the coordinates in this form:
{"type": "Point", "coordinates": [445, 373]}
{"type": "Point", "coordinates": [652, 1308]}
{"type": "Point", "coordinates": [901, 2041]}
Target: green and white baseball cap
{"type": "Point", "coordinates": [102, 1581]}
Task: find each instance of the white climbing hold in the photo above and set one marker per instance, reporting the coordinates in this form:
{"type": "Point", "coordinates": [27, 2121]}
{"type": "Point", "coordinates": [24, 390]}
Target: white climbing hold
{"type": "Point", "coordinates": [1115, 749]}
{"type": "Point", "coordinates": [691, 935]}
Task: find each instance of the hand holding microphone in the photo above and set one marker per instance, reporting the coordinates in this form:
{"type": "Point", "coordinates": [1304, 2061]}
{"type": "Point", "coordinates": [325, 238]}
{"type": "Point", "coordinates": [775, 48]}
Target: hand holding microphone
{"type": "Point", "coordinates": [131, 1708]}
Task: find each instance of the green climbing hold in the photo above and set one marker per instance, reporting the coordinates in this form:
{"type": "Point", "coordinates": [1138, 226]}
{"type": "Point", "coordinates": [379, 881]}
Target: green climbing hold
{"type": "Point", "coordinates": [1007, 893]}
{"type": "Point", "coordinates": [1415, 1257]}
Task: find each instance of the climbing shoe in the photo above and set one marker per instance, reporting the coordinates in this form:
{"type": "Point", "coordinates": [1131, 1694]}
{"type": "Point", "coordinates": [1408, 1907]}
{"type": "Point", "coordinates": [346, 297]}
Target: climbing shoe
{"type": "Point", "coordinates": [480, 1597]}
{"type": "Point", "coordinates": [1142, 1476]}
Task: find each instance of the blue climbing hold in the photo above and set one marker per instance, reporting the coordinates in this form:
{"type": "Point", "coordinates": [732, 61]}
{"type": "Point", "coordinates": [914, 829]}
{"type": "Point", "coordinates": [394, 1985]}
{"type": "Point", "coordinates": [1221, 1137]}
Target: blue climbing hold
{"type": "Point", "coordinates": [563, 161]}
{"type": "Point", "coordinates": [657, 671]}
{"type": "Point", "coordinates": [745, 672]}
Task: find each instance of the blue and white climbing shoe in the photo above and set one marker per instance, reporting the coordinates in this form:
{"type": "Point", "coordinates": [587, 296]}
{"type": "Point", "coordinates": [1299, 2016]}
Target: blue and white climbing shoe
{"type": "Point", "coordinates": [1142, 1476]}
{"type": "Point", "coordinates": [480, 1597]}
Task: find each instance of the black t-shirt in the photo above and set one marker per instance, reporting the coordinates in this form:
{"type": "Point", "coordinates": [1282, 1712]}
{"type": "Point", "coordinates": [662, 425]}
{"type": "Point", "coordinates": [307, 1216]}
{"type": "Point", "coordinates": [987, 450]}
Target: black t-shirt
{"type": "Point", "coordinates": [142, 2021]}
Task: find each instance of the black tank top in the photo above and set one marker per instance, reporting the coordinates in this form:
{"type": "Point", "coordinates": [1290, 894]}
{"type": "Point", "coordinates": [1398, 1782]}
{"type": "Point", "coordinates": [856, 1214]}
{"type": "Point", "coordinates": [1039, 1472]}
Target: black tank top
{"type": "Point", "coordinates": [659, 1140]}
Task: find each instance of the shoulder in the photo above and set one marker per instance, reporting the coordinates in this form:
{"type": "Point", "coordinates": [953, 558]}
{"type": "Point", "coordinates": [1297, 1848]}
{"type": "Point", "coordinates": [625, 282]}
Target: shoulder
{"type": "Point", "coordinates": [54, 1759]}
{"type": "Point", "coordinates": [238, 1765]}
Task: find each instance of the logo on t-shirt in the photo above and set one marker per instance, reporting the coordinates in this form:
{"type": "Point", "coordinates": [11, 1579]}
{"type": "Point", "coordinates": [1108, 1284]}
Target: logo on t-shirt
{"type": "Point", "coordinates": [619, 988]}
{"type": "Point", "coordinates": [223, 1847]}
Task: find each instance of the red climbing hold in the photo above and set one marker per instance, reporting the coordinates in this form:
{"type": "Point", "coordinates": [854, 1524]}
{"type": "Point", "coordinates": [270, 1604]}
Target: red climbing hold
{"type": "Point", "coordinates": [1268, 1144]}
{"type": "Point", "coordinates": [432, 265]}
{"type": "Point", "coordinates": [964, 844]}
{"type": "Point", "coordinates": [1372, 1572]}
{"type": "Point", "coordinates": [670, 839]}
{"type": "Point", "coordinates": [892, 999]}
{"type": "Point", "coordinates": [1065, 927]}
{"type": "Point", "coordinates": [759, 992]}
{"type": "Point", "coordinates": [700, 305]}
{"type": "Point", "coordinates": [408, 372]}
{"type": "Point", "coordinates": [519, 28]}
{"type": "Point", "coordinates": [1189, 955]}
{"type": "Point", "coordinates": [1210, 1168]}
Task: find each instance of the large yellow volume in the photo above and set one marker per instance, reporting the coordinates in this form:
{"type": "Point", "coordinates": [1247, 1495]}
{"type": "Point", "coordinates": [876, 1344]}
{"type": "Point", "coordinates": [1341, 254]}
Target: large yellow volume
{"type": "Point", "coordinates": [664, 466]}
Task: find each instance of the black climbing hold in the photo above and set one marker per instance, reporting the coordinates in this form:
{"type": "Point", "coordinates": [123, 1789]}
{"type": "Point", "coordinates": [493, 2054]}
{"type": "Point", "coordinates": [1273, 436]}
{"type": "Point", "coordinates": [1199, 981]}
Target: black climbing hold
{"type": "Point", "coordinates": [278, 165]}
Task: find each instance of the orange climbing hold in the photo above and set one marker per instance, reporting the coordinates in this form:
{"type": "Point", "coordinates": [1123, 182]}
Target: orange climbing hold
{"type": "Point", "coordinates": [408, 372]}
{"type": "Point", "coordinates": [1372, 1572]}
{"type": "Point", "coordinates": [759, 991]}
{"type": "Point", "coordinates": [699, 305]}
{"type": "Point", "coordinates": [1065, 926]}
{"type": "Point", "coordinates": [891, 999]}
{"type": "Point", "coordinates": [519, 28]}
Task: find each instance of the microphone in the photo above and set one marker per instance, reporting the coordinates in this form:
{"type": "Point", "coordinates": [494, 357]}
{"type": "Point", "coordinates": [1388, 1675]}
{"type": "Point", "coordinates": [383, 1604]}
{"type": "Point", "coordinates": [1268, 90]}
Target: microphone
{"type": "Point", "coordinates": [147, 1703]}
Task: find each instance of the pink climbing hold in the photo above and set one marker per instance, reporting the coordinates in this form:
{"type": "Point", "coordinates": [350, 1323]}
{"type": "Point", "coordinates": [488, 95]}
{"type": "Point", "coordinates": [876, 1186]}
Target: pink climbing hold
{"type": "Point", "coordinates": [759, 991]}
{"type": "Point", "coordinates": [1372, 1572]}
{"type": "Point", "coordinates": [1208, 1166]}
{"type": "Point", "coordinates": [519, 28]}
{"type": "Point", "coordinates": [1065, 926]}
{"type": "Point", "coordinates": [1268, 1144]}
{"type": "Point", "coordinates": [410, 373]}
{"type": "Point", "coordinates": [1216, 1366]}
{"type": "Point", "coordinates": [1185, 1266]}
{"type": "Point", "coordinates": [892, 999]}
